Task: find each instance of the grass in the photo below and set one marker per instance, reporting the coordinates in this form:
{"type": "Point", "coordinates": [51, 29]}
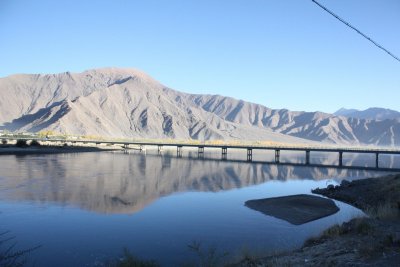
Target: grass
{"type": "Point", "coordinates": [209, 257]}
{"type": "Point", "coordinates": [363, 227]}
{"type": "Point", "coordinates": [333, 231]}
{"type": "Point", "coordinates": [9, 256]}
{"type": "Point", "coordinates": [204, 257]}
{"type": "Point", "coordinates": [360, 226]}
{"type": "Point", "coordinates": [277, 262]}
{"type": "Point", "coordinates": [129, 260]}
{"type": "Point", "coordinates": [385, 210]}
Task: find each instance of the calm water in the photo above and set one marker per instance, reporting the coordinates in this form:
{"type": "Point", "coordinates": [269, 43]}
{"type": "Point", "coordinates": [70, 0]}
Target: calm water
{"type": "Point", "coordinates": [85, 208]}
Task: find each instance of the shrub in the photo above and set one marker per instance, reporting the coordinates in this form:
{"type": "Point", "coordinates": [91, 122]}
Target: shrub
{"type": "Point", "coordinates": [129, 260]}
{"type": "Point", "coordinates": [208, 257]}
{"type": "Point", "coordinates": [21, 143]}
{"type": "Point", "coordinates": [34, 143]}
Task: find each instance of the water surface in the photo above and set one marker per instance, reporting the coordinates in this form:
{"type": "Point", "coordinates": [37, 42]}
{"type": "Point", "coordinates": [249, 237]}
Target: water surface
{"type": "Point", "coordinates": [85, 208]}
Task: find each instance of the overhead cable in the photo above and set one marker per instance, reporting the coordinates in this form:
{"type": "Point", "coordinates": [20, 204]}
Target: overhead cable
{"type": "Point", "coordinates": [357, 30]}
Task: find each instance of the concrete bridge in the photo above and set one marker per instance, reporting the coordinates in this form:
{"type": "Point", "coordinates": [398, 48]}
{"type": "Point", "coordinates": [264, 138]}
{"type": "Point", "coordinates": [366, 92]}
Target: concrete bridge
{"type": "Point", "coordinates": [224, 148]}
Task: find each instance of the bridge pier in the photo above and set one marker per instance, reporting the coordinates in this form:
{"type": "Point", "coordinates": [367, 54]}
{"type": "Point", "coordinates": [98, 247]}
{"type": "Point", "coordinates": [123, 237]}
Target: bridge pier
{"type": "Point", "coordinates": [160, 149]}
{"type": "Point", "coordinates": [126, 146]}
{"type": "Point", "coordinates": [377, 160]}
{"type": "Point", "coordinates": [249, 154]}
{"type": "Point", "coordinates": [340, 158]}
{"type": "Point", "coordinates": [277, 155]}
{"type": "Point", "coordinates": [201, 150]}
{"type": "Point", "coordinates": [179, 151]}
{"type": "Point", "coordinates": [224, 153]}
{"type": "Point", "coordinates": [307, 157]}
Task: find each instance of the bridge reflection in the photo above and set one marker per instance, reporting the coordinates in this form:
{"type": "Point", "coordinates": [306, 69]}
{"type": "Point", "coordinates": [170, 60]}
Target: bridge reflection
{"type": "Point", "coordinates": [114, 182]}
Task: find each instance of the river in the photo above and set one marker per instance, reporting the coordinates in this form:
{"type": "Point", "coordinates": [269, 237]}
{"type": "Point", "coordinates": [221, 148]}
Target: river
{"type": "Point", "coordinates": [84, 209]}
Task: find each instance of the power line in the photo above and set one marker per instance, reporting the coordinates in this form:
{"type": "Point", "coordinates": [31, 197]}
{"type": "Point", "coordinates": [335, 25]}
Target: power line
{"type": "Point", "coordinates": [358, 31]}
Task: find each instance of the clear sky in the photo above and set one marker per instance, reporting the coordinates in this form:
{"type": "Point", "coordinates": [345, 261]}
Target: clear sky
{"type": "Point", "coordinates": [279, 53]}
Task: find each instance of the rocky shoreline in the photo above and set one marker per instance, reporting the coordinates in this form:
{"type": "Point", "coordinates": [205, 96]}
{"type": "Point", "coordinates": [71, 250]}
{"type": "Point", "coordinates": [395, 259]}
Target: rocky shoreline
{"type": "Point", "coordinates": [369, 241]}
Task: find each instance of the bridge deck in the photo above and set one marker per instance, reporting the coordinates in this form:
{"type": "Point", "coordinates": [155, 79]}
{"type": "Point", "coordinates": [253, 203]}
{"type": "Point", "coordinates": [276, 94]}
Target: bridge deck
{"type": "Point", "coordinates": [249, 148]}
{"type": "Point", "coordinates": [226, 146]}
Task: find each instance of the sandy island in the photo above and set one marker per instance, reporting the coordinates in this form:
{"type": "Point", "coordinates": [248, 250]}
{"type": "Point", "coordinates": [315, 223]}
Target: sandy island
{"type": "Point", "coordinates": [295, 209]}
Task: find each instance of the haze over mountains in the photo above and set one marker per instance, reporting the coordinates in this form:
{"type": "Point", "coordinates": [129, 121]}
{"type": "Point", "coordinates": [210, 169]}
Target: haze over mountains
{"type": "Point", "coordinates": [116, 102]}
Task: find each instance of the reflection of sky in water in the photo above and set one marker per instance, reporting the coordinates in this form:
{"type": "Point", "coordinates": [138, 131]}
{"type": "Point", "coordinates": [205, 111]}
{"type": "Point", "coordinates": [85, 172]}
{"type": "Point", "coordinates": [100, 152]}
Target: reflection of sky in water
{"type": "Point", "coordinates": [87, 207]}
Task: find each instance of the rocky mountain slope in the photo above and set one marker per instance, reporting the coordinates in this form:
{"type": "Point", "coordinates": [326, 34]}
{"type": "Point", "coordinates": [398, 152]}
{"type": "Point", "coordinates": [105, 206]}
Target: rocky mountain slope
{"type": "Point", "coordinates": [128, 103]}
{"type": "Point", "coordinates": [369, 114]}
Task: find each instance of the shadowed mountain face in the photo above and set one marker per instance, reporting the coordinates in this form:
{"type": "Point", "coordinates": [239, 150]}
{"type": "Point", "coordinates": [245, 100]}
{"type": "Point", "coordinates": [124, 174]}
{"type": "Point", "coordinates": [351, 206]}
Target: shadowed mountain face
{"type": "Point", "coordinates": [370, 114]}
{"type": "Point", "coordinates": [128, 103]}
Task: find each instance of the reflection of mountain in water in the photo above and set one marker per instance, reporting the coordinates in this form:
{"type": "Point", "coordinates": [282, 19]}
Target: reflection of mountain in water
{"type": "Point", "coordinates": [118, 183]}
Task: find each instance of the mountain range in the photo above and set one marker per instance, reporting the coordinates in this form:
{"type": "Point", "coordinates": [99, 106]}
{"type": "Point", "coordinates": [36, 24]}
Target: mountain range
{"type": "Point", "coordinates": [114, 102]}
{"type": "Point", "coordinates": [369, 114]}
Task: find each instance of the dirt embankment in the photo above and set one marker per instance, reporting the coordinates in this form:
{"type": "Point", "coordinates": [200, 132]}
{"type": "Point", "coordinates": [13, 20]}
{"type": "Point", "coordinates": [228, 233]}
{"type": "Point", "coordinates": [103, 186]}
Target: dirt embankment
{"type": "Point", "coordinates": [368, 241]}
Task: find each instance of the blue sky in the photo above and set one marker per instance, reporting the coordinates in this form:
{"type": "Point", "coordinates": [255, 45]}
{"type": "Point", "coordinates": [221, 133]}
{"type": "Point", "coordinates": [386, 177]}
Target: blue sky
{"type": "Point", "coordinates": [282, 54]}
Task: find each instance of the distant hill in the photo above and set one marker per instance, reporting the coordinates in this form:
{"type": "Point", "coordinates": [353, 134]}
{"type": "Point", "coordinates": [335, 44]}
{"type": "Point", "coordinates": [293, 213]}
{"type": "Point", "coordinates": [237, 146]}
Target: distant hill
{"type": "Point", "coordinates": [128, 103]}
{"type": "Point", "coordinates": [369, 114]}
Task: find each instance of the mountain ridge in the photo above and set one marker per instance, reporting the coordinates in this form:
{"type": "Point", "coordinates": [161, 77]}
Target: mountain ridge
{"type": "Point", "coordinates": [129, 103]}
{"type": "Point", "coordinates": [373, 113]}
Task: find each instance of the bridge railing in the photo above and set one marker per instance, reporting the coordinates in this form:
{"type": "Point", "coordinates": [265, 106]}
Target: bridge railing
{"type": "Point", "coordinates": [322, 148]}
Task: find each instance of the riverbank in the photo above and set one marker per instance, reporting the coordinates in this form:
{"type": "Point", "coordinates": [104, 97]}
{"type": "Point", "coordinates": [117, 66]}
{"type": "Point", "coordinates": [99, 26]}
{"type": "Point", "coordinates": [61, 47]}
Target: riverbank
{"type": "Point", "coordinates": [368, 241]}
{"type": "Point", "coordinates": [50, 149]}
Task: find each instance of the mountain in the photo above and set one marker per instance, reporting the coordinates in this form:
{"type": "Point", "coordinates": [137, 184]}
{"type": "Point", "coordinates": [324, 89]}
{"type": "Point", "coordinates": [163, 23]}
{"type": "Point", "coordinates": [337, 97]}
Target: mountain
{"type": "Point", "coordinates": [369, 114]}
{"type": "Point", "coordinates": [128, 103]}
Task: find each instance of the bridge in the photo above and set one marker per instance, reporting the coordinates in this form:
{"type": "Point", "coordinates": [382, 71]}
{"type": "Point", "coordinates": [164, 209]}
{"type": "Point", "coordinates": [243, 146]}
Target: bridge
{"type": "Point", "coordinates": [224, 148]}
